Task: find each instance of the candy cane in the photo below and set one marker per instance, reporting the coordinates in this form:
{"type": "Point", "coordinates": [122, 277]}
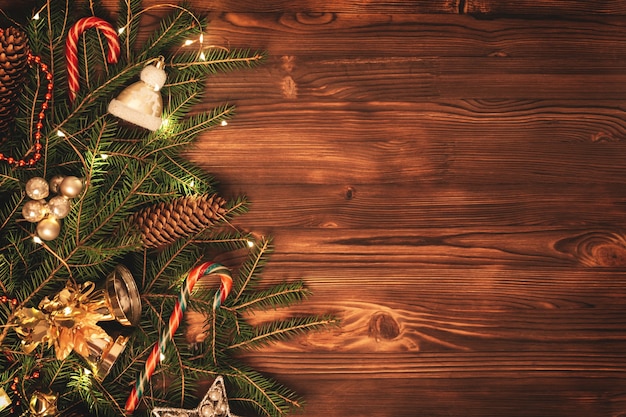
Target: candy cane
{"type": "Point", "coordinates": [71, 48]}
{"type": "Point", "coordinates": [207, 268]}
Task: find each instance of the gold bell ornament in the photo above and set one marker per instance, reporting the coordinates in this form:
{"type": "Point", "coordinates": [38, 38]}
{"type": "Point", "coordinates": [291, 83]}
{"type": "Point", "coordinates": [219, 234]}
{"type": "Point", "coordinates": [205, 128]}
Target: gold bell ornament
{"type": "Point", "coordinates": [43, 404]}
{"type": "Point", "coordinates": [141, 103]}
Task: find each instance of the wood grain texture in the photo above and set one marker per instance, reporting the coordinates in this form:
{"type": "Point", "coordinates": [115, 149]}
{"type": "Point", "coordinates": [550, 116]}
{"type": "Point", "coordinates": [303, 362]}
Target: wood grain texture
{"type": "Point", "coordinates": [316, 6]}
{"type": "Point", "coordinates": [552, 8]}
{"type": "Point", "coordinates": [453, 189]}
{"type": "Point", "coordinates": [449, 178]}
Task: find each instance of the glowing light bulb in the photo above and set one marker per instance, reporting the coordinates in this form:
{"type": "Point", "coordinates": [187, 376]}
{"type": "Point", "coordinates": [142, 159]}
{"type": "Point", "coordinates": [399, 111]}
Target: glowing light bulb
{"type": "Point", "coordinates": [250, 244]}
{"type": "Point", "coordinates": [60, 134]}
{"type": "Point", "coordinates": [36, 16]}
{"type": "Point", "coordinates": [104, 156]}
{"type": "Point", "coordinates": [161, 357]}
{"type": "Point", "coordinates": [202, 56]}
{"type": "Point", "coordinates": [121, 30]}
{"type": "Point", "coordinates": [87, 371]}
{"type": "Point", "coordinates": [201, 38]}
{"type": "Point", "coordinates": [192, 183]}
{"type": "Point", "coordinates": [224, 122]}
{"type": "Point", "coordinates": [188, 42]}
{"type": "Point", "coordinates": [37, 240]}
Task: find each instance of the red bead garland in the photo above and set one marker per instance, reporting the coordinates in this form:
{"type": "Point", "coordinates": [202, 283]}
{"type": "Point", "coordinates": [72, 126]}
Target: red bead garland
{"type": "Point", "coordinates": [36, 149]}
{"type": "Point", "coordinates": [5, 299]}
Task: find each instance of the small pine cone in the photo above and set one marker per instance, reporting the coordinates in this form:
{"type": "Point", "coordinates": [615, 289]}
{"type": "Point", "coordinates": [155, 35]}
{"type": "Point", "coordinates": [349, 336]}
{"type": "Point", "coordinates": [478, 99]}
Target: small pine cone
{"type": "Point", "coordinates": [167, 222]}
{"type": "Point", "coordinates": [13, 66]}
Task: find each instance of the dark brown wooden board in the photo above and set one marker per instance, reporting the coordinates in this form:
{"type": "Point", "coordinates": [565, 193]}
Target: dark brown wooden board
{"type": "Point", "coordinates": [449, 178]}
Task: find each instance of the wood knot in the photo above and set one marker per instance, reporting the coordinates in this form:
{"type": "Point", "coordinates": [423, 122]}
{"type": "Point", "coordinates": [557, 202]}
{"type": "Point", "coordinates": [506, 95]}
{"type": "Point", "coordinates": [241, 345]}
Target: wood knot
{"type": "Point", "coordinates": [350, 192]}
{"type": "Point", "coordinates": [290, 89]}
{"type": "Point", "coordinates": [610, 256]}
{"type": "Point", "coordinates": [383, 326]}
{"type": "Point", "coordinates": [499, 54]}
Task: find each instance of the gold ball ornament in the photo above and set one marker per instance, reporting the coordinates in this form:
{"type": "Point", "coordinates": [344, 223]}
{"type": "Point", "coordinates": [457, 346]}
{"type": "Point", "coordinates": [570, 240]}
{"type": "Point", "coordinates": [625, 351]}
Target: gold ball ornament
{"type": "Point", "coordinates": [48, 228]}
{"type": "Point", "coordinates": [70, 187]}
{"type": "Point", "coordinates": [37, 188]}
{"type": "Point", "coordinates": [55, 182]}
{"type": "Point", "coordinates": [34, 210]}
{"type": "Point", "coordinates": [43, 404]}
{"type": "Point", "coordinates": [59, 206]}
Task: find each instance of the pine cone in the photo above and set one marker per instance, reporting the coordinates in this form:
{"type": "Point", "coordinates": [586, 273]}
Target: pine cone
{"type": "Point", "coordinates": [169, 221]}
{"type": "Point", "coordinates": [13, 65]}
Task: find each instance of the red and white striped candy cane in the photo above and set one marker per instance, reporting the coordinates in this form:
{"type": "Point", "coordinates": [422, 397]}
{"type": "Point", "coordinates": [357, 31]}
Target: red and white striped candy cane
{"type": "Point", "coordinates": [207, 268]}
{"type": "Point", "coordinates": [71, 48]}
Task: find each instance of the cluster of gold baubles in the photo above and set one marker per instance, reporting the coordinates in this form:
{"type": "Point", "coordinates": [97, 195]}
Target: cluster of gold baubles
{"type": "Point", "coordinates": [48, 213]}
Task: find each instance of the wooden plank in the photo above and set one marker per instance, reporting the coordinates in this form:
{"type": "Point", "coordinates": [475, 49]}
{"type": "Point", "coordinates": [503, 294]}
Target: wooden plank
{"type": "Point", "coordinates": [450, 248]}
{"type": "Point", "coordinates": [420, 35]}
{"type": "Point", "coordinates": [282, 207]}
{"type": "Point", "coordinates": [392, 307]}
{"type": "Point", "coordinates": [544, 7]}
{"type": "Point", "coordinates": [456, 142]}
{"type": "Point", "coordinates": [424, 79]}
{"type": "Point", "coordinates": [303, 6]}
{"type": "Point", "coordinates": [513, 395]}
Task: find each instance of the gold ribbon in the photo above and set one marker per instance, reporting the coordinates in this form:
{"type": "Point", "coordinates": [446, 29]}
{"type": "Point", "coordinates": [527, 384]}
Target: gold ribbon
{"type": "Point", "coordinates": [68, 321]}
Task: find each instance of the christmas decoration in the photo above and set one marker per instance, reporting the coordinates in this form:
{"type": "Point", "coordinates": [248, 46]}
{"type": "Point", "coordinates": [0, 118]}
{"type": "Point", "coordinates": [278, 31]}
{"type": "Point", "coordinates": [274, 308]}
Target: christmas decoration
{"type": "Point", "coordinates": [71, 48]}
{"type": "Point", "coordinates": [14, 56]}
{"type": "Point", "coordinates": [208, 268]}
{"type": "Point", "coordinates": [5, 400]}
{"type": "Point", "coordinates": [35, 150]}
{"type": "Point", "coordinates": [43, 404]}
{"type": "Point", "coordinates": [169, 221]}
{"type": "Point", "coordinates": [141, 102]}
{"type": "Point", "coordinates": [69, 320]}
{"type": "Point", "coordinates": [214, 404]}
{"type": "Point", "coordinates": [137, 202]}
{"type": "Point", "coordinates": [47, 215]}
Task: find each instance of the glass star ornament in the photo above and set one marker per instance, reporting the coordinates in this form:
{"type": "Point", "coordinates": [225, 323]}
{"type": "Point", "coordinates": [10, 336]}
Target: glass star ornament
{"type": "Point", "coordinates": [214, 404]}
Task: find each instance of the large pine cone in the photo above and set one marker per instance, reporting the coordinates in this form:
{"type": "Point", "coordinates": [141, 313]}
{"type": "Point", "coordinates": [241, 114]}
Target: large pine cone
{"type": "Point", "coordinates": [13, 66]}
{"type": "Point", "coordinates": [167, 222]}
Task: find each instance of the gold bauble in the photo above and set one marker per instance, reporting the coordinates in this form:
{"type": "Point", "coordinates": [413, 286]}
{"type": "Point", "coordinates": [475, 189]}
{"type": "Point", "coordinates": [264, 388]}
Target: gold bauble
{"type": "Point", "coordinates": [37, 188]}
{"type": "Point", "coordinates": [34, 210]}
{"type": "Point", "coordinates": [49, 228]}
{"type": "Point", "coordinates": [55, 182]}
{"type": "Point", "coordinates": [59, 206]}
{"type": "Point", "coordinates": [71, 186]}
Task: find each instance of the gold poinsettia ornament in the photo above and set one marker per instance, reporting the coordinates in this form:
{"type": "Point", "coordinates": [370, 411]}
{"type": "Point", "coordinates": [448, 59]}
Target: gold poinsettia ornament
{"type": "Point", "coordinates": [69, 321]}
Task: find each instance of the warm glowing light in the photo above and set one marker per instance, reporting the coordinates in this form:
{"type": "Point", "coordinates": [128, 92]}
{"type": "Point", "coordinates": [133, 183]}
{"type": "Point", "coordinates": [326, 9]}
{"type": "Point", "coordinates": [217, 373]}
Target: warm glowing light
{"type": "Point", "coordinates": [224, 122]}
{"type": "Point", "coordinates": [202, 56]}
{"type": "Point", "coordinates": [60, 134]}
{"type": "Point", "coordinates": [250, 243]}
{"type": "Point", "coordinates": [192, 183]}
{"type": "Point", "coordinates": [104, 156]}
{"type": "Point", "coordinates": [37, 240]}
{"type": "Point", "coordinates": [36, 16]}
{"type": "Point", "coordinates": [161, 357]}
{"type": "Point", "coordinates": [165, 123]}
{"type": "Point", "coordinates": [121, 30]}
{"type": "Point", "coordinates": [5, 400]}
{"type": "Point", "coordinates": [201, 39]}
{"type": "Point", "coordinates": [87, 371]}
{"type": "Point", "coordinates": [188, 42]}
{"type": "Point", "coordinates": [68, 310]}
